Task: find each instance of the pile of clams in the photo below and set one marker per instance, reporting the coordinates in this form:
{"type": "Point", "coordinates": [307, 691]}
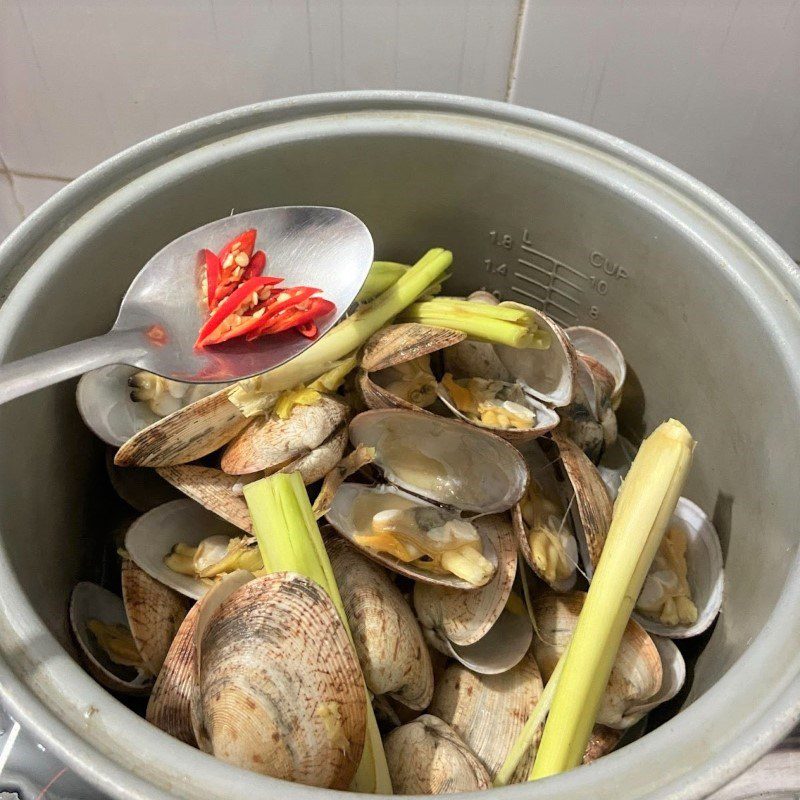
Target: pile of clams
{"type": "Point", "coordinates": [464, 492]}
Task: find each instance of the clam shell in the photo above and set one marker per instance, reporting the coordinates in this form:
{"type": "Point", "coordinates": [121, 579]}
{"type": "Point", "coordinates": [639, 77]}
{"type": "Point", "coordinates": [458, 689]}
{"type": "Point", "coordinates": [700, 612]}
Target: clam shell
{"type": "Point", "coordinates": [376, 397]}
{"type": "Point", "coordinates": [455, 455]}
{"type": "Point", "coordinates": [476, 359]}
{"type": "Point", "coordinates": [591, 508]}
{"type": "Point", "coordinates": [602, 347]}
{"type": "Point", "coordinates": [185, 435]}
{"type": "Point", "coordinates": [603, 387]}
{"type": "Point", "coordinates": [546, 419]}
{"type": "Point", "coordinates": [542, 471]}
{"type": "Point", "coordinates": [213, 489]}
{"type": "Point", "coordinates": [104, 403]}
{"type": "Point", "coordinates": [391, 649]}
{"type": "Point", "coordinates": [396, 344]}
{"type": "Point", "coordinates": [705, 573]}
{"type": "Point", "coordinates": [154, 612]}
{"type": "Point", "coordinates": [489, 711]}
{"type": "Point", "coordinates": [280, 685]}
{"type": "Point", "coordinates": [174, 702]}
{"type": "Point", "coordinates": [601, 742]}
{"type": "Point", "coordinates": [90, 601]}
{"type": "Point", "coordinates": [151, 538]}
{"type": "Point", "coordinates": [580, 420]}
{"type": "Point", "coordinates": [339, 515]}
{"type": "Point", "coordinates": [549, 375]}
{"type": "Point", "coordinates": [615, 464]}
{"type": "Point", "coordinates": [141, 488]}
{"type": "Point", "coordinates": [673, 677]}
{"type": "Point", "coordinates": [637, 673]}
{"type": "Point", "coordinates": [269, 443]}
{"type": "Point", "coordinates": [427, 756]}
{"type": "Point", "coordinates": [314, 466]}
{"type": "Point", "coordinates": [473, 626]}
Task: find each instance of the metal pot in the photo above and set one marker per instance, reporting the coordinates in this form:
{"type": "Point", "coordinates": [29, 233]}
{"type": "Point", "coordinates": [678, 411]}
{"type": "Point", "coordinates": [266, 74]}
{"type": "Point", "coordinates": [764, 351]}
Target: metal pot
{"type": "Point", "coordinates": [582, 224]}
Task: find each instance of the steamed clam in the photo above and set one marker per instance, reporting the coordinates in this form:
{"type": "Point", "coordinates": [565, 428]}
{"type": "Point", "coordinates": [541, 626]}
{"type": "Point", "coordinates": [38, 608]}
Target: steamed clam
{"type": "Point", "coordinates": [414, 526]}
{"type": "Point", "coordinates": [427, 756]}
{"type": "Point", "coordinates": [478, 628]}
{"type": "Point", "coordinates": [265, 705]}
{"type": "Point", "coordinates": [395, 365]}
{"type": "Point", "coordinates": [604, 349]}
{"type": "Point", "coordinates": [387, 637]}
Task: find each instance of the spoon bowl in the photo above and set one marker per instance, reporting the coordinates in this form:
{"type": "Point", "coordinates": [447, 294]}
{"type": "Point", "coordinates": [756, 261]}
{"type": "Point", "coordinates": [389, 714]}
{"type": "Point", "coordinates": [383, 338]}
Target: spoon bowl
{"type": "Point", "coordinates": [163, 310]}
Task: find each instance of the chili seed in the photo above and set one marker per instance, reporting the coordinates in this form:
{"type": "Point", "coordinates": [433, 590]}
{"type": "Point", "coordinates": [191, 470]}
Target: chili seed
{"type": "Point", "coordinates": [228, 262]}
{"type": "Point", "coordinates": [236, 246]}
{"type": "Point", "coordinates": [242, 259]}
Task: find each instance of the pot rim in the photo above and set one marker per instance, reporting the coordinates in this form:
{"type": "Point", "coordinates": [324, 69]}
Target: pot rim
{"type": "Point", "coordinates": [709, 743]}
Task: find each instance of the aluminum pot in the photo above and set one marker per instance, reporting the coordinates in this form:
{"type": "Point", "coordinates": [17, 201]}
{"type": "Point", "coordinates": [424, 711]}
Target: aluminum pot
{"type": "Point", "coordinates": [588, 227]}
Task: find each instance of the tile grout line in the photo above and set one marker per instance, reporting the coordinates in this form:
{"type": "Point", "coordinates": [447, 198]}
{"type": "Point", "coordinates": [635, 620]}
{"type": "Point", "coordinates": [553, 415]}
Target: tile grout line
{"type": "Point", "coordinates": [516, 49]}
{"type": "Point", "coordinates": [15, 173]}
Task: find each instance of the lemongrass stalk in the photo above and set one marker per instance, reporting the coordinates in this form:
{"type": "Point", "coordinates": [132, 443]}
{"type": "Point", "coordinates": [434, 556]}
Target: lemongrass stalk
{"type": "Point", "coordinates": [380, 277]}
{"type": "Point", "coordinates": [481, 329]}
{"type": "Point", "coordinates": [331, 380]}
{"type": "Point", "coordinates": [528, 733]}
{"type": "Point", "coordinates": [289, 540]}
{"type": "Point", "coordinates": [439, 306]}
{"type": "Point", "coordinates": [353, 331]}
{"type": "Point", "coordinates": [641, 515]}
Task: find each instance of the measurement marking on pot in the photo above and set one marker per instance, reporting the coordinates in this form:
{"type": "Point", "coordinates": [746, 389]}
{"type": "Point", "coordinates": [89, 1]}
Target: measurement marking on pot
{"type": "Point", "coordinates": [528, 279]}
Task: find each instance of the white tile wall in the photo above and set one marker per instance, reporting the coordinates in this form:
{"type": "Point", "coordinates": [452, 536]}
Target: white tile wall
{"type": "Point", "coordinates": [712, 85]}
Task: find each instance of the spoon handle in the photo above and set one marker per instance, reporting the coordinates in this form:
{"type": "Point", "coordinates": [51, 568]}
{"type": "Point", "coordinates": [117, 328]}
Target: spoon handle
{"type": "Point", "coordinates": [22, 377]}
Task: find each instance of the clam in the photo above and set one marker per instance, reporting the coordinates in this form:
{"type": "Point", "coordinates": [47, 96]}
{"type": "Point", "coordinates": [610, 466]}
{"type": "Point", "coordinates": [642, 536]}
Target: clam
{"type": "Point", "coordinates": [174, 701]}
{"type": "Point", "coordinates": [489, 711]}
{"type": "Point", "coordinates": [141, 488]}
{"type": "Point", "coordinates": [154, 613]}
{"type": "Point", "coordinates": [601, 742]}
{"type": "Point", "coordinates": [428, 460]}
{"type": "Point", "coordinates": [213, 489]}
{"type": "Point", "coordinates": [395, 365]}
{"type": "Point", "coordinates": [270, 443]}
{"type": "Point", "coordinates": [604, 349]}
{"type": "Point", "coordinates": [427, 756]}
{"type": "Point", "coordinates": [391, 649]}
{"type": "Point", "coordinates": [673, 677]}
{"type": "Point", "coordinates": [476, 359]}
{"type": "Point", "coordinates": [637, 673]}
{"type": "Point", "coordinates": [683, 591]}
{"type": "Point", "coordinates": [314, 466]}
{"type": "Point", "coordinates": [475, 627]}
{"type": "Point", "coordinates": [280, 687]}
{"type": "Point", "coordinates": [154, 535]}
{"type": "Point", "coordinates": [107, 649]}
{"type": "Point", "coordinates": [184, 435]}
{"type": "Point", "coordinates": [615, 464]}
{"type": "Point", "coordinates": [500, 407]}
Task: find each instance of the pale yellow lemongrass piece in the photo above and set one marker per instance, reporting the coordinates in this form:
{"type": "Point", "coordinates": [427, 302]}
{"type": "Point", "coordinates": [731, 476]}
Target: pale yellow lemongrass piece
{"type": "Point", "coordinates": [641, 514]}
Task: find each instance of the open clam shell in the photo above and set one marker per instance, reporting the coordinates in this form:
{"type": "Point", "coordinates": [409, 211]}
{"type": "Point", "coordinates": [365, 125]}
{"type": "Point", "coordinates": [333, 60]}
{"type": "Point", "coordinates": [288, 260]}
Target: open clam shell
{"type": "Point", "coordinates": [591, 507]}
{"type": "Point", "coordinates": [549, 375]}
{"type": "Point", "coordinates": [545, 420]}
{"type": "Point", "coordinates": [637, 673]}
{"type": "Point", "coordinates": [281, 690]}
{"type": "Point", "coordinates": [602, 347]}
{"type": "Point", "coordinates": [151, 538]}
{"type": "Point", "coordinates": [474, 627]}
{"type": "Point", "coordinates": [213, 489]}
{"type": "Point", "coordinates": [269, 442]}
{"type": "Point", "coordinates": [673, 677]}
{"type": "Point", "coordinates": [345, 515]}
{"type": "Point", "coordinates": [105, 405]}
{"type": "Point", "coordinates": [185, 435]}
{"type": "Point", "coordinates": [583, 419]}
{"type": "Point", "coordinates": [543, 481]}
{"type": "Point", "coordinates": [705, 573]}
{"type": "Point", "coordinates": [141, 488]}
{"type": "Point", "coordinates": [314, 466]}
{"type": "Point", "coordinates": [470, 359]}
{"type": "Point", "coordinates": [443, 460]}
{"type": "Point", "coordinates": [396, 345]}
{"type": "Point", "coordinates": [387, 637]}
{"type": "Point", "coordinates": [175, 699]}
{"type": "Point", "coordinates": [90, 601]}
{"type": "Point", "coordinates": [489, 711]}
{"type": "Point", "coordinates": [154, 613]}
{"type": "Point", "coordinates": [427, 756]}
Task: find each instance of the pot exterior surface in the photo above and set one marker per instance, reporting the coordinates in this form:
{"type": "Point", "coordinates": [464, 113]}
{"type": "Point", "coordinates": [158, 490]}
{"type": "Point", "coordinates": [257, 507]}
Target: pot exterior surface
{"type": "Point", "coordinates": [539, 209]}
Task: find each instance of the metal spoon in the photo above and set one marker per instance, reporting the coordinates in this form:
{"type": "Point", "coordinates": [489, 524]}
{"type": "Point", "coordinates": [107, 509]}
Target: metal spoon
{"type": "Point", "coordinates": [162, 311]}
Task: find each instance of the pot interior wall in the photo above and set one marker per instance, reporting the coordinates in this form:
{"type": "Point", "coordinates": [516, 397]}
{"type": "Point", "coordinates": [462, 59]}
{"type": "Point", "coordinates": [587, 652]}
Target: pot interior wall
{"type": "Point", "coordinates": [696, 342]}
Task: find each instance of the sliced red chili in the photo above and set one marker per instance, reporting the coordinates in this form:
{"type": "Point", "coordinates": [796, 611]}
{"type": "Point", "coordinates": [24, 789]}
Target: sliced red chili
{"type": "Point", "coordinates": [235, 259]}
{"type": "Point", "coordinates": [308, 329]}
{"type": "Point", "coordinates": [283, 302]}
{"type": "Point", "coordinates": [256, 265]}
{"type": "Point", "coordinates": [294, 317]}
{"type": "Point", "coordinates": [243, 243]}
{"type": "Point", "coordinates": [215, 331]}
{"type": "Point", "coordinates": [212, 276]}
